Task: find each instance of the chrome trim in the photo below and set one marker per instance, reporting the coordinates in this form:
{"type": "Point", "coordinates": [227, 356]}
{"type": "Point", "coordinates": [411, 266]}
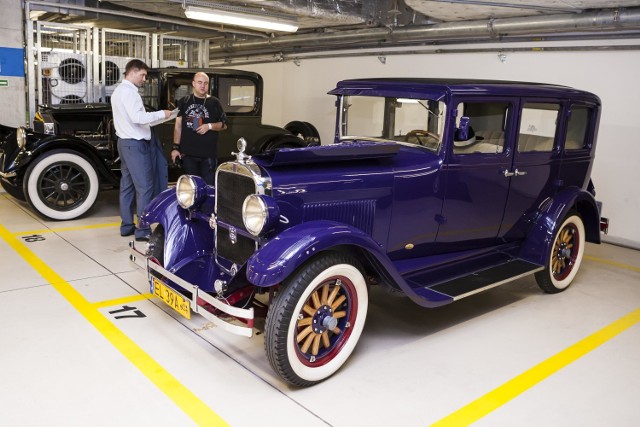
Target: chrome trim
{"type": "Point", "coordinates": [137, 257]}
{"type": "Point", "coordinates": [8, 174]}
{"type": "Point", "coordinates": [493, 285]}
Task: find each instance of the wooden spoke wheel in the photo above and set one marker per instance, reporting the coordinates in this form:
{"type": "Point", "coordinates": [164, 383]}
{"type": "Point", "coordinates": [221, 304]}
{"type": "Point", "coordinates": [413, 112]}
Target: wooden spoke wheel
{"type": "Point", "coordinates": [315, 321]}
{"type": "Point", "coordinates": [565, 256]}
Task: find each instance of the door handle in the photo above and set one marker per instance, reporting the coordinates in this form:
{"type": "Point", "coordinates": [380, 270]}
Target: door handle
{"type": "Point", "coordinates": [507, 173]}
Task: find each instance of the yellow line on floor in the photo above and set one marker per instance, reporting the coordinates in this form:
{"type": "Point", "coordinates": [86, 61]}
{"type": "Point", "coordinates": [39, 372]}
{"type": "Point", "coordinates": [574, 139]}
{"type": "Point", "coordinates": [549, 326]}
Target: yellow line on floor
{"type": "Point", "coordinates": [613, 263]}
{"type": "Point", "coordinates": [167, 383]}
{"type": "Point", "coordinates": [518, 385]}
{"type": "Point", "coordinates": [56, 230]}
{"type": "Point", "coordinates": [121, 301]}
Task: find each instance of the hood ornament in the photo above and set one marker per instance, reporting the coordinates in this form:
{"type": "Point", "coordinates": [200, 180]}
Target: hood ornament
{"type": "Point", "coordinates": [240, 155]}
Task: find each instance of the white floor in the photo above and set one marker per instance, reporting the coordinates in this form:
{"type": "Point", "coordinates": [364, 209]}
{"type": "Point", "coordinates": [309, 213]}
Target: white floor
{"type": "Point", "coordinates": [83, 344]}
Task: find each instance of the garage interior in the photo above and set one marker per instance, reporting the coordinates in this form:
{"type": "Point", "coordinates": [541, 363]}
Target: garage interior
{"type": "Point", "coordinates": [87, 344]}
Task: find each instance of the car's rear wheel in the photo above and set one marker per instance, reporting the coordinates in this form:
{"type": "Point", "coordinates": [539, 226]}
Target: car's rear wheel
{"type": "Point", "coordinates": [565, 256]}
{"type": "Point", "coordinates": [316, 319]}
{"type": "Point", "coordinates": [61, 185]}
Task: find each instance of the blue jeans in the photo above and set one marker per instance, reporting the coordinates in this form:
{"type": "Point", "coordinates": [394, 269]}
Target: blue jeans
{"type": "Point", "coordinates": [141, 167]}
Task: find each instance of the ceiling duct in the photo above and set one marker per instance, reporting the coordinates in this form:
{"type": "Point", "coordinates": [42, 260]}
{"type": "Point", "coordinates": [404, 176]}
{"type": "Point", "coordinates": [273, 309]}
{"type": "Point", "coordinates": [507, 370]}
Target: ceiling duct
{"type": "Point", "coordinates": [488, 29]}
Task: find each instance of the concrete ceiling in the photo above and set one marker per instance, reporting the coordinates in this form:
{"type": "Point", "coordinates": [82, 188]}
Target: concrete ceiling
{"type": "Point", "coordinates": [341, 24]}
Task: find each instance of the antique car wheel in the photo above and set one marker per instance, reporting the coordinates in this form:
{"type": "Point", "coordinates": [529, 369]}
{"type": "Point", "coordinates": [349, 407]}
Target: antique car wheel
{"type": "Point", "coordinates": [316, 319]}
{"type": "Point", "coordinates": [61, 185]}
{"type": "Point", "coordinates": [275, 142]}
{"type": "Point", "coordinates": [305, 131]}
{"type": "Point", "coordinates": [156, 245]}
{"type": "Point", "coordinates": [13, 191]}
{"type": "Point", "coordinates": [565, 257]}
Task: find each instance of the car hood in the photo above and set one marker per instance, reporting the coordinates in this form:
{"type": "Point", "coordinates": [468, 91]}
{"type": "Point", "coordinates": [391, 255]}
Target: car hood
{"type": "Point", "coordinates": [344, 151]}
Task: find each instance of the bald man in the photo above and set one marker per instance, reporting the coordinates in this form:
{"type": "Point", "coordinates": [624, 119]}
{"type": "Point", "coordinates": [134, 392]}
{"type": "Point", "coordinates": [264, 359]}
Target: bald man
{"type": "Point", "coordinates": [195, 133]}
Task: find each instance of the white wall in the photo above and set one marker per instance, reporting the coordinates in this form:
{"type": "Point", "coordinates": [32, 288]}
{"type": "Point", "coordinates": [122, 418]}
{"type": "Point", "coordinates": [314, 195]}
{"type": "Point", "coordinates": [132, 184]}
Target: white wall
{"type": "Point", "coordinates": [299, 93]}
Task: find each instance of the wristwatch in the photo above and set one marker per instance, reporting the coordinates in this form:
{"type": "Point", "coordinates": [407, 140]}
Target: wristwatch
{"type": "Point", "coordinates": [209, 126]}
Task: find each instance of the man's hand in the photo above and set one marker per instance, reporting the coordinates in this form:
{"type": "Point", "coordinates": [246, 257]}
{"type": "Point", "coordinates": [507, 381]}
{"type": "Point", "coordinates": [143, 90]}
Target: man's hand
{"type": "Point", "coordinates": [174, 155]}
{"type": "Point", "coordinates": [167, 113]}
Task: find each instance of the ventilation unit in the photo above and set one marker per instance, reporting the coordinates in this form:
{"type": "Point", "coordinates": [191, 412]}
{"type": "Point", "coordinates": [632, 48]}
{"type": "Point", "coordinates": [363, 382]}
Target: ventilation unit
{"type": "Point", "coordinates": [65, 75]}
{"type": "Point", "coordinates": [114, 67]}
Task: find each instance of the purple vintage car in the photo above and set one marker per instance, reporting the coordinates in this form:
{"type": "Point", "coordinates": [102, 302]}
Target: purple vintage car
{"type": "Point", "coordinates": [434, 189]}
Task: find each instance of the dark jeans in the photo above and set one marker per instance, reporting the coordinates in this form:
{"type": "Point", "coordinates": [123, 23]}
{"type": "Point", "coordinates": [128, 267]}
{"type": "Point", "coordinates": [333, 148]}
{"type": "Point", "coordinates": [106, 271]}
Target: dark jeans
{"type": "Point", "coordinates": [203, 167]}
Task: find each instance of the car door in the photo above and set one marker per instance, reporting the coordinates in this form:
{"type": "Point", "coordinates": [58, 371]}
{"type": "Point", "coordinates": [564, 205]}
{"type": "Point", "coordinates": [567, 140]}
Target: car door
{"type": "Point", "coordinates": [534, 174]}
{"type": "Point", "coordinates": [476, 174]}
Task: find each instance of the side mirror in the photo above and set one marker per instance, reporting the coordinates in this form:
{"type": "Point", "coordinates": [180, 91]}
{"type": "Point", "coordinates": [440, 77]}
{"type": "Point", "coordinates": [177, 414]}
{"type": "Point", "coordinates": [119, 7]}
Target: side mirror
{"type": "Point", "coordinates": [462, 132]}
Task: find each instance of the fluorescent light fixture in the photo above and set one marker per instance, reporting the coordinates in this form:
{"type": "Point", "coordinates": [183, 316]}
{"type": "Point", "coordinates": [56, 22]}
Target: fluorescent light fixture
{"type": "Point", "coordinates": [241, 19]}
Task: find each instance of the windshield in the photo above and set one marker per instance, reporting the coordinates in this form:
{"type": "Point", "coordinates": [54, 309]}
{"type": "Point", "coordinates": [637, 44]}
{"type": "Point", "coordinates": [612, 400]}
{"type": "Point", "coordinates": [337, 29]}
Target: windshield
{"type": "Point", "coordinates": [410, 121]}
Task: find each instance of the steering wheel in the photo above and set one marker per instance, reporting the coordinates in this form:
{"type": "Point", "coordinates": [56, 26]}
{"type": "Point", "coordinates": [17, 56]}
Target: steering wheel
{"type": "Point", "coordinates": [423, 136]}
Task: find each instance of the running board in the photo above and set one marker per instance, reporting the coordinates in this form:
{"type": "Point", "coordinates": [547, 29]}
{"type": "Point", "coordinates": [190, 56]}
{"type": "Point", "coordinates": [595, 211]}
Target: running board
{"type": "Point", "coordinates": [480, 281]}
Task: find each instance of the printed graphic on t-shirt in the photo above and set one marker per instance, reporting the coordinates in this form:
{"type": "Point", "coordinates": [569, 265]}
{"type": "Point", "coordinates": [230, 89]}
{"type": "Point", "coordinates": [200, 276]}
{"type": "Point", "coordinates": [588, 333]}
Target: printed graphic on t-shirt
{"type": "Point", "coordinates": [194, 114]}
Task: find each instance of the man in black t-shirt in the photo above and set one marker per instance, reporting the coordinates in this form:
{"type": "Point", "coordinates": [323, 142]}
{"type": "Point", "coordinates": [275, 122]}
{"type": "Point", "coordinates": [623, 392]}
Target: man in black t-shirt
{"type": "Point", "coordinates": [196, 130]}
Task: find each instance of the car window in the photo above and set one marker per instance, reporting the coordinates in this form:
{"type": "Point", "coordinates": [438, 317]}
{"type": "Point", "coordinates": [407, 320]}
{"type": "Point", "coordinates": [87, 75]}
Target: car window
{"type": "Point", "coordinates": [486, 127]}
{"type": "Point", "coordinates": [412, 121]}
{"type": "Point", "coordinates": [577, 128]}
{"type": "Point", "coordinates": [538, 125]}
{"type": "Point", "coordinates": [149, 93]}
{"type": "Point", "coordinates": [237, 95]}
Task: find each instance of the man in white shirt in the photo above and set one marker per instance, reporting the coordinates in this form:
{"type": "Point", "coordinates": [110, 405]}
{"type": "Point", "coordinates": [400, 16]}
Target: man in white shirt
{"type": "Point", "coordinates": [137, 154]}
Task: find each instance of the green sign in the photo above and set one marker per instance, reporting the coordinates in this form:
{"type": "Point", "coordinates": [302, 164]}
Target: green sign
{"type": "Point", "coordinates": [4, 83]}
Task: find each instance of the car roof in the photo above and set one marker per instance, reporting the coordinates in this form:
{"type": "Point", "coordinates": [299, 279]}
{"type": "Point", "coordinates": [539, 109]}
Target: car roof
{"type": "Point", "coordinates": [441, 87]}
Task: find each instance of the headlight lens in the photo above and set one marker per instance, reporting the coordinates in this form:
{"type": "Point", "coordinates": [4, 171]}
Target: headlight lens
{"type": "Point", "coordinates": [190, 191]}
{"type": "Point", "coordinates": [254, 214]}
{"type": "Point", "coordinates": [21, 137]}
{"type": "Point", "coordinates": [260, 214]}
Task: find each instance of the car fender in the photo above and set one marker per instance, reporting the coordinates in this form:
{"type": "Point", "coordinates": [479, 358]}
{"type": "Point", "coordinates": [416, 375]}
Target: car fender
{"type": "Point", "coordinates": [552, 212]}
{"type": "Point", "coordinates": [188, 241]}
{"type": "Point", "coordinates": [70, 143]}
{"type": "Point", "coordinates": [279, 257]}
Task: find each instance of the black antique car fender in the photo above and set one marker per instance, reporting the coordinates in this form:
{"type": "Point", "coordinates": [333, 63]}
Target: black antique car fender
{"type": "Point", "coordinates": [59, 176]}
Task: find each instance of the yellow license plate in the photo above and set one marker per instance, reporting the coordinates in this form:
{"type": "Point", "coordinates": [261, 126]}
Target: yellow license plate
{"type": "Point", "coordinates": [171, 298]}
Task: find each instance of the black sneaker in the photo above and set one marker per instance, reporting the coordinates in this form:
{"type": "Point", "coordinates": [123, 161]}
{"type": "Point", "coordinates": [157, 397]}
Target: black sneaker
{"type": "Point", "coordinates": [142, 238]}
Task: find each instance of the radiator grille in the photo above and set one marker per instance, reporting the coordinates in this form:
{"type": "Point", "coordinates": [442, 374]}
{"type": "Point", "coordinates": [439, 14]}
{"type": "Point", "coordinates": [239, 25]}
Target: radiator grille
{"type": "Point", "coordinates": [231, 190]}
{"type": "Point", "coordinates": [238, 252]}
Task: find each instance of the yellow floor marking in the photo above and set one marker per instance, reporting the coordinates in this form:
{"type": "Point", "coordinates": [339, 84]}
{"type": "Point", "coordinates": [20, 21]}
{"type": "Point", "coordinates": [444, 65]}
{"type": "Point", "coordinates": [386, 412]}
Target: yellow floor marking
{"type": "Point", "coordinates": [518, 385]}
{"type": "Point", "coordinates": [167, 383]}
{"type": "Point", "coordinates": [121, 301]}
{"type": "Point", "coordinates": [613, 263]}
{"type": "Point", "coordinates": [56, 230]}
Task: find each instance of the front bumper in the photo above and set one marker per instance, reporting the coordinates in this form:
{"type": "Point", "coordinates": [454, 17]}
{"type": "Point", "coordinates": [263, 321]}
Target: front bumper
{"type": "Point", "coordinates": [213, 309]}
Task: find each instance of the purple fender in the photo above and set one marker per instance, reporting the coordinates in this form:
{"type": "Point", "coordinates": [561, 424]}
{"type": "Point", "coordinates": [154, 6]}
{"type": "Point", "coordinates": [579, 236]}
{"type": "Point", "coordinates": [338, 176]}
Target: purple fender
{"type": "Point", "coordinates": [188, 245]}
{"type": "Point", "coordinates": [279, 257]}
{"type": "Point", "coordinates": [553, 211]}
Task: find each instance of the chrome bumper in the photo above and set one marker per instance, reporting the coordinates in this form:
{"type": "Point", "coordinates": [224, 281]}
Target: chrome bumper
{"type": "Point", "coordinates": [198, 298]}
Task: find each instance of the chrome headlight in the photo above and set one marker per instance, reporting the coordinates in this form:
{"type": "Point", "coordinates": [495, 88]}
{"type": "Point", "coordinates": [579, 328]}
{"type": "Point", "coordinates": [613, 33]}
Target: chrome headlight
{"type": "Point", "coordinates": [21, 137]}
{"type": "Point", "coordinates": [259, 214]}
{"type": "Point", "coordinates": [190, 191]}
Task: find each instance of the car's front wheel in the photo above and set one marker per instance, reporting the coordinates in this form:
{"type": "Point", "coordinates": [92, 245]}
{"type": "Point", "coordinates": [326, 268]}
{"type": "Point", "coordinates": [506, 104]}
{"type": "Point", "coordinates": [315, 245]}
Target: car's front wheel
{"type": "Point", "coordinates": [316, 319]}
{"type": "Point", "coordinates": [565, 257]}
{"type": "Point", "coordinates": [61, 185]}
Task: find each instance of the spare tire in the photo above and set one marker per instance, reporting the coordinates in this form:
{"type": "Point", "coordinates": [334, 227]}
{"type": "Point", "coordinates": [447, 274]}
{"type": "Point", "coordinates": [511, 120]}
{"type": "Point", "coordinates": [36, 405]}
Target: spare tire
{"type": "Point", "coordinates": [277, 141]}
{"type": "Point", "coordinates": [304, 130]}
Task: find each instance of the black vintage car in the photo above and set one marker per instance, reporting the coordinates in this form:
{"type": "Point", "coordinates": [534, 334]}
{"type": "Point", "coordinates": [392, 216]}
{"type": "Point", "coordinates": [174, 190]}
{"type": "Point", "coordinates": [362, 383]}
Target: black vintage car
{"type": "Point", "coordinates": [60, 164]}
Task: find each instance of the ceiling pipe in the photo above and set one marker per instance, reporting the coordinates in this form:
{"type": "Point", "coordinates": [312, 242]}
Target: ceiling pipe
{"type": "Point", "coordinates": [601, 20]}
